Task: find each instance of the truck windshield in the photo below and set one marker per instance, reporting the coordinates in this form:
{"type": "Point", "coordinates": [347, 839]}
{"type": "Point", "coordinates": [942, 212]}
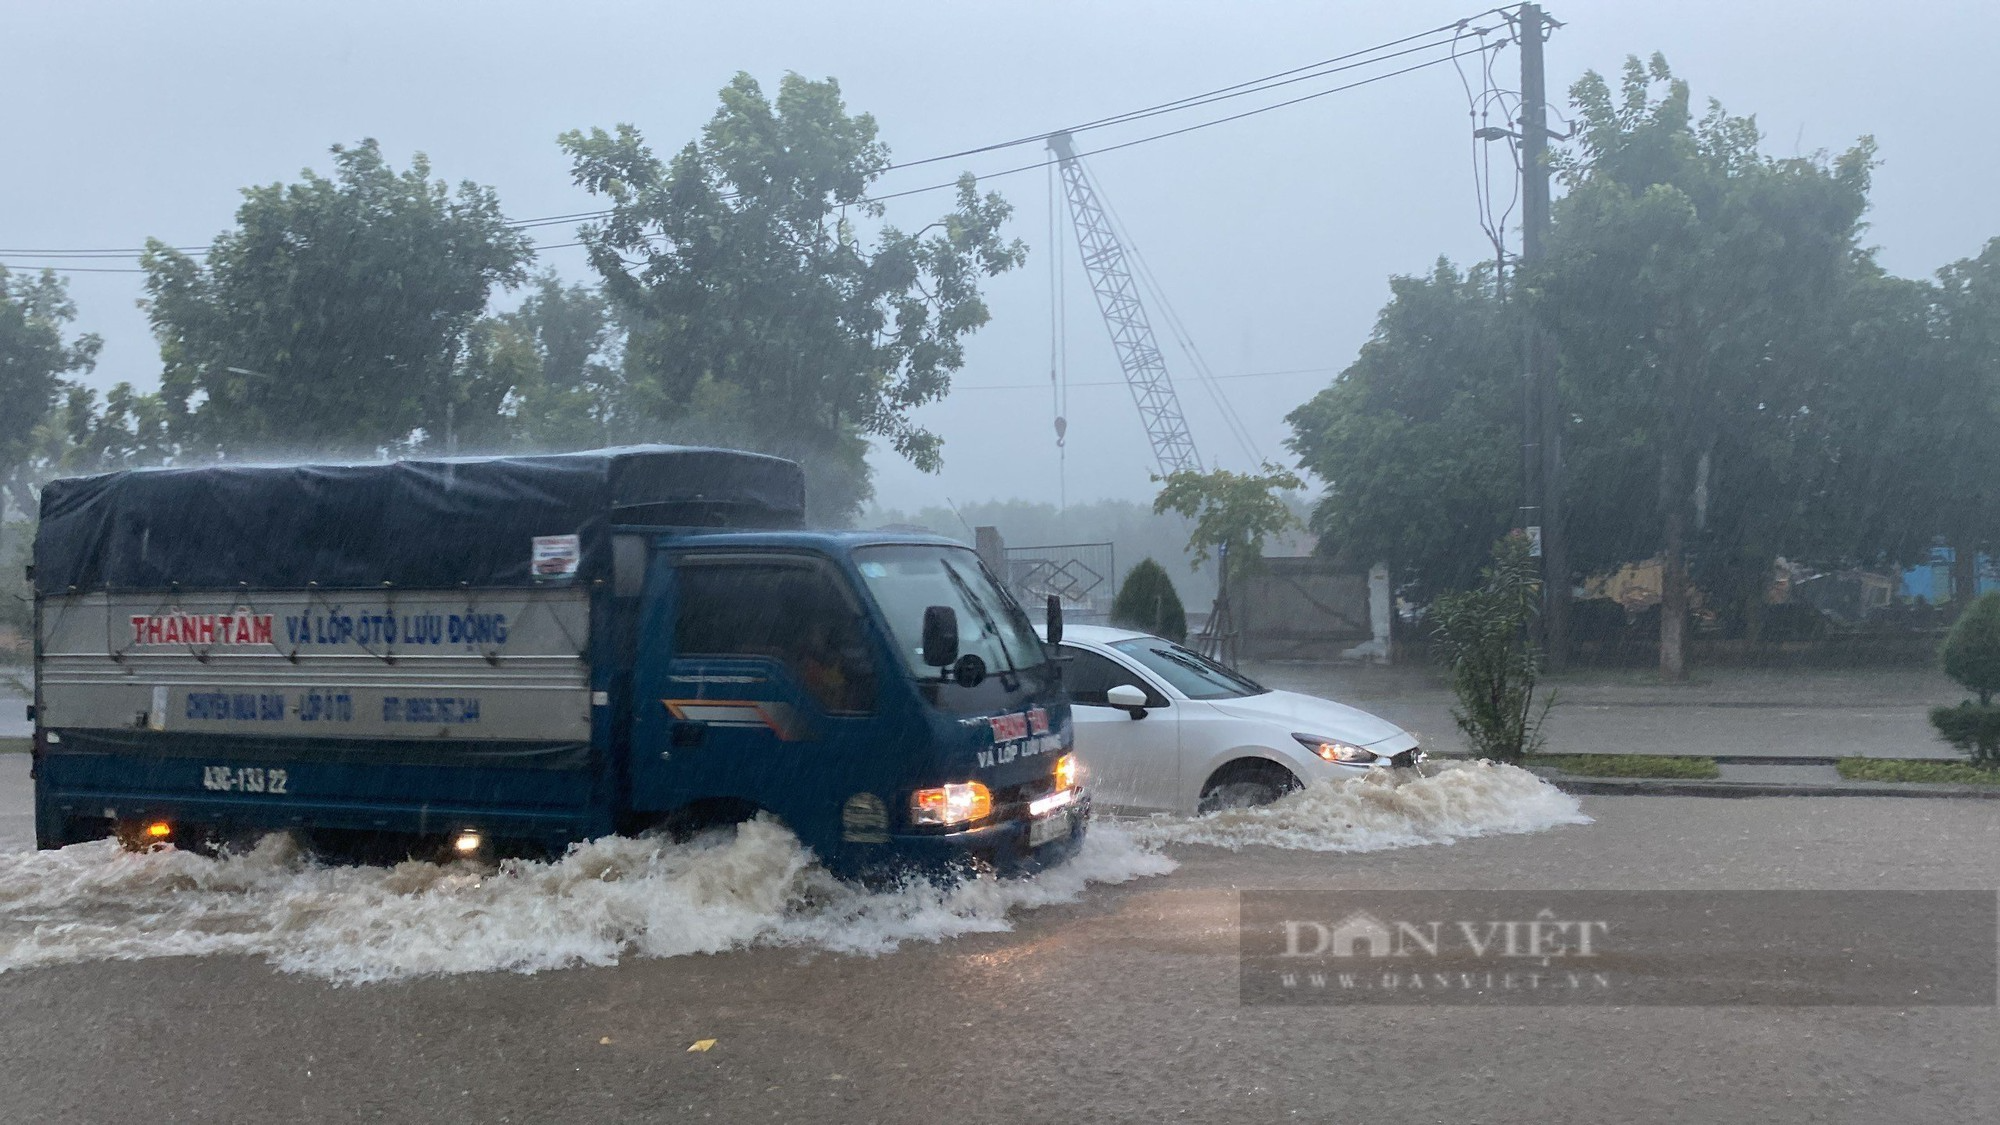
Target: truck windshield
{"type": "Point", "coordinates": [906, 579]}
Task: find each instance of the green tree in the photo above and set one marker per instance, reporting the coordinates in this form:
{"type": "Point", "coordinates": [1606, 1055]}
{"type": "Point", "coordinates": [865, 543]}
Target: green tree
{"type": "Point", "coordinates": [34, 356]}
{"type": "Point", "coordinates": [127, 431]}
{"type": "Point", "coordinates": [1971, 655]}
{"type": "Point", "coordinates": [335, 316]}
{"type": "Point", "coordinates": [1418, 440]}
{"type": "Point", "coordinates": [1483, 636]}
{"type": "Point", "coordinates": [1971, 652]}
{"type": "Point", "coordinates": [1232, 512]}
{"type": "Point", "coordinates": [1148, 602]}
{"type": "Point", "coordinates": [563, 348]}
{"type": "Point", "coordinates": [757, 302]}
{"type": "Point", "coordinates": [1962, 460]}
{"type": "Point", "coordinates": [1690, 281]}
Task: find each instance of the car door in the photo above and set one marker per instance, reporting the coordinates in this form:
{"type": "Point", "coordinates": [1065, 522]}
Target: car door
{"type": "Point", "coordinates": [1129, 763]}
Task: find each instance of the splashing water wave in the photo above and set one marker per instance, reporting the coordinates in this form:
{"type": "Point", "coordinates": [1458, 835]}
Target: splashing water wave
{"type": "Point", "coordinates": [604, 900]}
{"type": "Point", "coordinates": [752, 885]}
{"type": "Point", "coordinates": [1384, 809]}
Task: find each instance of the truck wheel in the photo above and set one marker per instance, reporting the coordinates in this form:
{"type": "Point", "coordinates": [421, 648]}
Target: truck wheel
{"type": "Point", "coordinates": [715, 812]}
{"type": "Point", "coordinates": [1242, 785]}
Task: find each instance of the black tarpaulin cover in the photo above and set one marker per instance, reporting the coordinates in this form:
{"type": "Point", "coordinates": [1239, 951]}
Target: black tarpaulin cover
{"type": "Point", "coordinates": [428, 524]}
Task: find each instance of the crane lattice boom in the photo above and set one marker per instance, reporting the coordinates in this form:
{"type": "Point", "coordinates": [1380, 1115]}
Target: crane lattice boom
{"type": "Point", "coordinates": [1131, 333]}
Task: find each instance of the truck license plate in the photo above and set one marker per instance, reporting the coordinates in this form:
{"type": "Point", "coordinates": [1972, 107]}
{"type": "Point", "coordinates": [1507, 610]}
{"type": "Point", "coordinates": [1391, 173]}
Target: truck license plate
{"type": "Point", "coordinates": [1054, 826]}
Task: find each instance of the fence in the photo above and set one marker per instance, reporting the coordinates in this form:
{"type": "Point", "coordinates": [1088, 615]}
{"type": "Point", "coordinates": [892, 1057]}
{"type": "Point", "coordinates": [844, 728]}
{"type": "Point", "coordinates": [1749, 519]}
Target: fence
{"type": "Point", "coordinates": [1083, 575]}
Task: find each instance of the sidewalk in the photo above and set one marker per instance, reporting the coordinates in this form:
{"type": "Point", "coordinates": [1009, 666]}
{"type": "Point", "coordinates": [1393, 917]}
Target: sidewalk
{"type": "Point", "coordinates": [1723, 787]}
{"type": "Point", "coordinates": [1875, 712]}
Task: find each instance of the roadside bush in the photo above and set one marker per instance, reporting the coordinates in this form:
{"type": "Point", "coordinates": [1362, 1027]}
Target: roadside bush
{"type": "Point", "coordinates": [1971, 650]}
{"type": "Point", "coordinates": [1971, 655]}
{"type": "Point", "coordinates": [1482, 636]}
{"type": "Point", "coordinates": [1148, 602]}
{"type": "Point", "coordinates": [1973, 729]}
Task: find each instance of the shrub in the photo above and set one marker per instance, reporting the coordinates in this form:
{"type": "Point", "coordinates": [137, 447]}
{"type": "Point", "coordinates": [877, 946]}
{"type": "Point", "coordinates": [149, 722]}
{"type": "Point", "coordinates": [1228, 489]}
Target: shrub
{"type": "Point", "coordinates": [1147, 602]}
{"type": "Point", "coordinates": [1971, 655]}
{"type": "Point", "coordinates": [1482, 635]}
{"type": "Point", "coordinates": [1971, 650]}
{"type": "Point", "coordinates": [1971, 727]}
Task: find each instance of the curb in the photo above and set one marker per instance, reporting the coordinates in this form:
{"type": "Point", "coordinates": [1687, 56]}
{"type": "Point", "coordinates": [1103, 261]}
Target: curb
{"type": "Point", "coordinates": [1669, 787]}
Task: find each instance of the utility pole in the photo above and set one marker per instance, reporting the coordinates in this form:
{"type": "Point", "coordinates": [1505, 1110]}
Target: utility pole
{"type": "Point", "coordinates": [1541, 428]}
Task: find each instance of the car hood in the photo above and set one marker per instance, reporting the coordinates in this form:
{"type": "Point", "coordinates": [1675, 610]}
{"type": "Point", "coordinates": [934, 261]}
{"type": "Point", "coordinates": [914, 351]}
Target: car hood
{"type": "Point", "coordinates": [1309, 714]}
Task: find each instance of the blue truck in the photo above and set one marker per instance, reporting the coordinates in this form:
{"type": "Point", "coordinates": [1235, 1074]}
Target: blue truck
{"type": "Point", "coordinates": [509, 655]}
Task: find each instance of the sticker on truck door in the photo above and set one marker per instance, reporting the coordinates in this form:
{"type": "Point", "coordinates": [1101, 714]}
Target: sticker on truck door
{"type": "Point", "coordinates": [778, 717]}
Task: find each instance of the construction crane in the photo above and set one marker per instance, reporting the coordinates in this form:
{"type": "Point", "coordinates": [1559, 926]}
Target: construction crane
{"type": "Point", "coordinates": [1131, 333]}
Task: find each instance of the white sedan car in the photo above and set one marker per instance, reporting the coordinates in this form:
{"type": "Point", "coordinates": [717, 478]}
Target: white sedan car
{"type": "Point", "coordinates": [1160, 727]}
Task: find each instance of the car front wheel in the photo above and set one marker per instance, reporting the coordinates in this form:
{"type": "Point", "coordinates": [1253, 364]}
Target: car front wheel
{"type": "Point", "coordinates": [1245, 786]}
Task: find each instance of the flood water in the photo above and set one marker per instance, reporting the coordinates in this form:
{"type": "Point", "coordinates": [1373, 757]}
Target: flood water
{"type": "Point", "coordinates": [618, 898]}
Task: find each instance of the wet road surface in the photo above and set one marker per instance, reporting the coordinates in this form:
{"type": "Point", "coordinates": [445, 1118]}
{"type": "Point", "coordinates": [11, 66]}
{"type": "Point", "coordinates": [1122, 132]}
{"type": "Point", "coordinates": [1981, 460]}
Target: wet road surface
{"type": "Point", "coordinates": [1122, 1007]}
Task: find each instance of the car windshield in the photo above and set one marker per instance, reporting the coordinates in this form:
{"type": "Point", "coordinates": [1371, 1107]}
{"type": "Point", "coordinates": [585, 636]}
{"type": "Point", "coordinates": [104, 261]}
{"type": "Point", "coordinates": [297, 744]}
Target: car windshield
{"type": "Point", "coordinates": [905, 580]}
{"type": "Point", "coordinates": [1194, 675]}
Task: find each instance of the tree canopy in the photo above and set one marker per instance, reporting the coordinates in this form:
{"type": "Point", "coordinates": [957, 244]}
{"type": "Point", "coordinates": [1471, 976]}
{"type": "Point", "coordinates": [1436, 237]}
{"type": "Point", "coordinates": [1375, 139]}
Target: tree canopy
{"type": "Point", "coordinates": [335, 316]}
{"type": "Point", "coordinates": [1728, 356]}
{"type": "Point", "coordinates": [35, 312]}
{"type": "Point", "coordinates": [1418, 440]}
{"type": "Point", "coordinates": [757, 298]}
{"type": "Point", "coordinates": [1691, 283]}
{"type": "Point", "coordinates": [1234, 512]}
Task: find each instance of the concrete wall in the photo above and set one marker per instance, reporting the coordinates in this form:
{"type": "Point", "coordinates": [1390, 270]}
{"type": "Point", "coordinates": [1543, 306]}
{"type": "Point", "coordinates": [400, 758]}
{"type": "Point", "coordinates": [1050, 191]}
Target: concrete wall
{"type": "Point", "coordinates": [1307, 608]}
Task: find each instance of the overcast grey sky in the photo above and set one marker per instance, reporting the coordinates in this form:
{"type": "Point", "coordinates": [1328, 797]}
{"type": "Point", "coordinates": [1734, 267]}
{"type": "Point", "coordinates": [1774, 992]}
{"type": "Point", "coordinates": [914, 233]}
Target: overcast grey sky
{"type": "Point", "coordinates": [1273, 236]}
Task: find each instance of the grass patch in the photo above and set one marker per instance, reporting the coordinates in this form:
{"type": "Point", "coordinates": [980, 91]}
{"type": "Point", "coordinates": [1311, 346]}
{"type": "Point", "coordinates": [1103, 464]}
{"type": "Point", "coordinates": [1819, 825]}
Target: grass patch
{"type": "Point", "coordinates": [15, 745]}
{"type": "Point", "coordinates": [1892, 769]}
{"type": "Point", "coordinates": [1628, 765]}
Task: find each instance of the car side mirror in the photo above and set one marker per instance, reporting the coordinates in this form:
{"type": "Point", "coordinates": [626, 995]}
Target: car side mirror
{"type": "Point", "coordinates": [940, 636]}
{"type": "Point", "coordinates": [1131, 698]}
{"type": "Point", "coordinates": [1055, 620]}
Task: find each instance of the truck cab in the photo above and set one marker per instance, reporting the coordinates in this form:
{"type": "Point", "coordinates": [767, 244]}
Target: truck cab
{"type": "Point", "coordinates": [788, 672]}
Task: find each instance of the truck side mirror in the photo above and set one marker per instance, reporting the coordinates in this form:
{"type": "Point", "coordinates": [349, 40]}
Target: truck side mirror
{"type": "Point", "coordinates": [1055, 620]}
{"type": "Point", "coordinates": [940, 636]}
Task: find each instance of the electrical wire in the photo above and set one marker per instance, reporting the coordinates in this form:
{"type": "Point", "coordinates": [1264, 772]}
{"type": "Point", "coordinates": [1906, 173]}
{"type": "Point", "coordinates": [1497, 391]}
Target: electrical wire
{"type": "Point", "coordinates": [1120, 382]}
{"type": "Point", "coordinates": [1319, 69]}
{"type": "Point", "coordinates": [1479, 108]}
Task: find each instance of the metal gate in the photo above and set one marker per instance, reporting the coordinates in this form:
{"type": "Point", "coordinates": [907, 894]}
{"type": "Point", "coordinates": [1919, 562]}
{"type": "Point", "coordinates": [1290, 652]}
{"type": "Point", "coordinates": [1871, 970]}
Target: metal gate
{"type": "Point", "coordinates": [1083, 575]}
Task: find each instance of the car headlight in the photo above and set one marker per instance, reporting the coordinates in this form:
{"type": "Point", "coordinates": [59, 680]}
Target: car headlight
{"type": "Point", "coordinates": [1334, 750]}
{"type": "Point", "coordinates": [951, 804]}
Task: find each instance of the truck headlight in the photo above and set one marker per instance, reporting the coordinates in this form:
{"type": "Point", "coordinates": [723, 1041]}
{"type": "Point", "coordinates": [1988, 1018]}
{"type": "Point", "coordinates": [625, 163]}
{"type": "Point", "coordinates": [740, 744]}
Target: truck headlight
{"type": "Point", "coordinates": [1068, 772]}
{"type": "Point", "coordinates": [1334, 750]}
{"type": "Point", "coordinates": [951, 804]}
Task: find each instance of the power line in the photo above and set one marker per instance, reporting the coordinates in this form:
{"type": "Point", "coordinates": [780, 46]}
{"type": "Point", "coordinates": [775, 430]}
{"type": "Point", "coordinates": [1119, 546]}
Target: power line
{"type": "Point", "coordinates": [1223, 93]}
{"type": "Point", "coordinates": [1451, 58]}
{"type": "Point", "coordinates": [1121, 382]}
{"type": "Point", "coordinates": [1366, 57]}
